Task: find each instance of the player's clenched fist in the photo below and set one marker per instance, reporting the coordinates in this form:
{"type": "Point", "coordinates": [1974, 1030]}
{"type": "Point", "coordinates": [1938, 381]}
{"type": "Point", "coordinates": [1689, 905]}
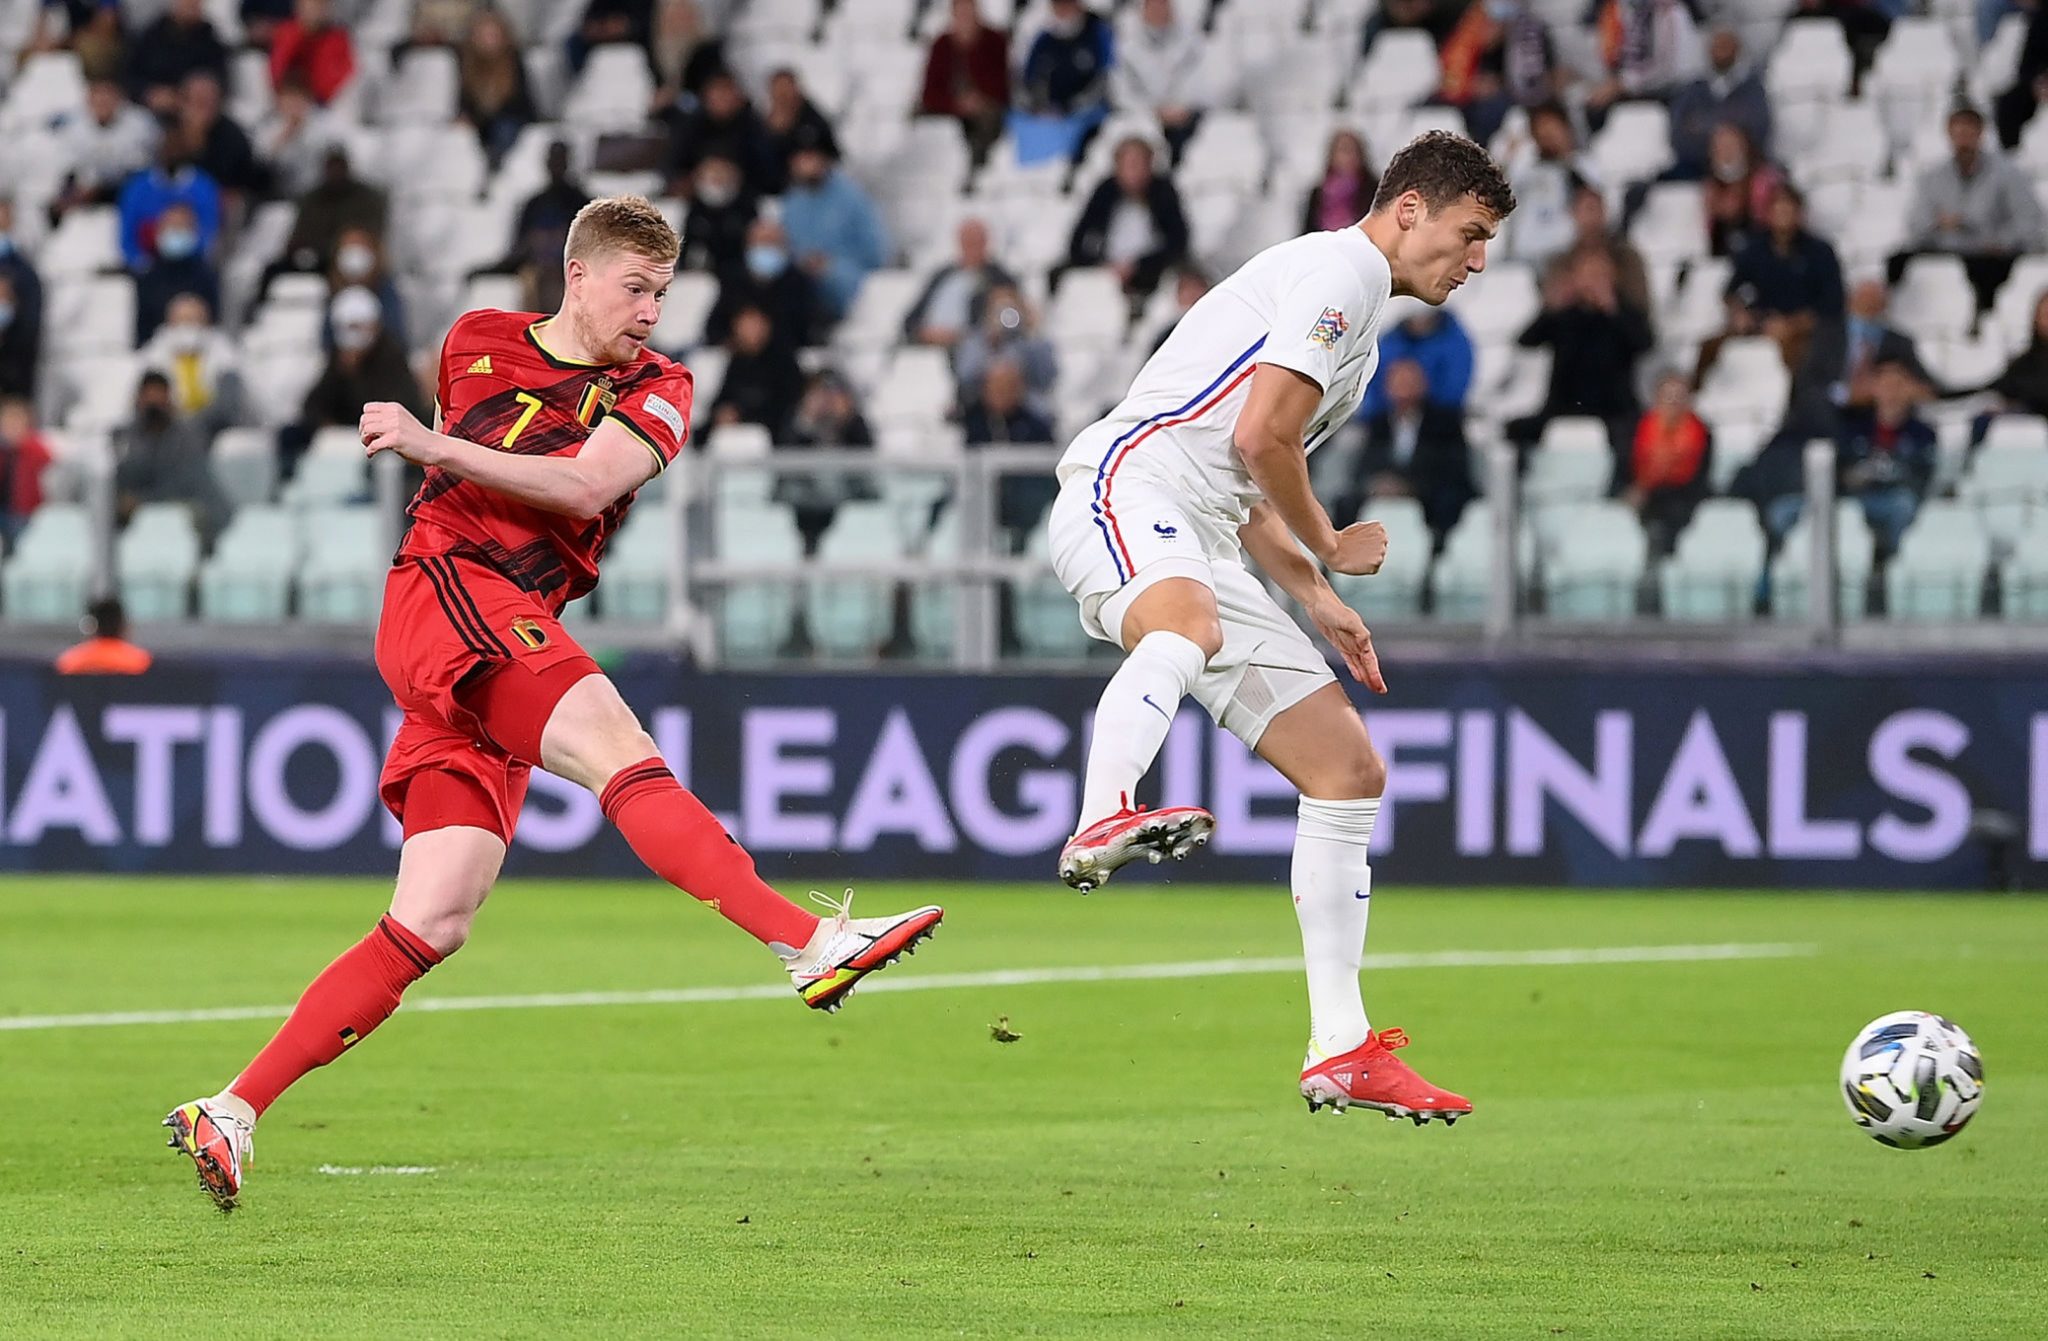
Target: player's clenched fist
{"type": "Point", "coordinates": [1360, 549]}
{"type": "Point", "coordinates": [389, 427]}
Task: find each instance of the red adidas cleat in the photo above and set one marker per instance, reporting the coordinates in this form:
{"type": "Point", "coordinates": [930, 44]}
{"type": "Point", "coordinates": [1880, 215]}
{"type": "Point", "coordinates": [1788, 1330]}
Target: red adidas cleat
{"type": "Point", "coordinates": [1097, 852]}
{"type": "Point", "coordinates": [1371, 1076]}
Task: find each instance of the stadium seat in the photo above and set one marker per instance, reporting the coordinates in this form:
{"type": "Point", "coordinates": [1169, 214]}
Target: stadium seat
{"type": "Point", "coordinates": [934, 606]}
{"type": "Point", "coordinates": [691, 297]}
{"type": "Point", "coordinates": [49, 84]}
{"type": "Point", "coordinates": [2023, 581]}
{"type": "Point", "coordinates": [49, 572]}
{"type": "Point", "coordinates": [1748, 381]}
{"type": "Point", "coordinates": [1855, 555]}
{"type": "Point", "coordinates": [1573, 463]}
{"type": "Point", "coordinates": [876, 318]}
{"type": "Point", "coordinates": [614, 90]}
{"type": "Point", "coordinates": [1938, 573]}
{"type": "Point", "coordinates": [1635, 144]}
{"type": "Point", "coordinates": [1712, 573]}
{"type": "Point", "coordinates": [1594, 567]}
{"type": "Point", "coordinates": [918, 389]}
{"type": "Point", "coordinates": [1672, 225]}
{"type": "Point", "coordinates": [86, 243]}
{"type": "Point", "coordinates": [1088, 309]}
{"type": "Point", "coordinates": [1933, 298]}
{"type": "Point", "coordinates": [1498, 302]}
{"type": "Point", "coordinates": [637, 567]}
{"type": "Point", "coordinates": [1226, 153]}
{"type": "Point", "coordinates": [1461, 580]}
{"type": "Point", "coordinates": [247, 578]}
{"type": "Point", "coordinates": [324, 479]}
{"type": "Point", "coordinates": [1046, 620]}
{"type": "Point", "coordinates": [739, 442]}
{"type": "Point", "coordinates": [422, 90]}
{"type": "Point", "coordinates": [1810, 63]}
{"type": "Point", "coordinates": [1396, 591]}
{"type": "Point", "coordinates": [1852, 144]}
{"type": "Point", "coordinates": [155, 560]}
{"type": "Point", "coordinates": [1399, 72]}
{"type": "Point", "coordinates": [341, 580]}
{"type": "Point", "coordinates": [756, 617]}
{"type": "Point", "coordinates": [89, 315]}
{"type": "Point", "coordinates": [853, 616]}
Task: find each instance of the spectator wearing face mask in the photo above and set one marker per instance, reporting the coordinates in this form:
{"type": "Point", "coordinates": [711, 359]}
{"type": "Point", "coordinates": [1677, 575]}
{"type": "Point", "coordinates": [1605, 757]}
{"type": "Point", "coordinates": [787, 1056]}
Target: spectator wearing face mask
{"type": "Point", "coordinates": [359, 263]}
{"type": "Point", "coordinates": [770, 281]}
{"type": "Point", "coordinates": [200, 361]}
{"type": "Point", "coordinates": [835, 231]}
{"type": "Point", "coordinates": [367, 364]}
{"type": "Point", "coordinates": [148, 198]}
{"type": "Point", "coordinates": [177, 265]}
{"type": "Point", "coordinates": [162, 458]}
{"type": "Point", "coordinates": [722, 209]}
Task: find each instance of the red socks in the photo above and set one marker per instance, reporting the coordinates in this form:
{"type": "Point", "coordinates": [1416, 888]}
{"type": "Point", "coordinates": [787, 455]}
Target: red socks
{"type": "Point", "coordinates": [352, 996]}
{"type": "Point", "coordinates": [671, 831]}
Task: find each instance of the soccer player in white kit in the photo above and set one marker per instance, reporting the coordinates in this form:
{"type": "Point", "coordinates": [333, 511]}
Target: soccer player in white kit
{"type": "Point", "coordinates": [1205, 462]}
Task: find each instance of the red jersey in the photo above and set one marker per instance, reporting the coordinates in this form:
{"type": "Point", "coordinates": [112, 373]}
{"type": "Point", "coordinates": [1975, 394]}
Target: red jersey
{"type": "Point", "coordinates": [500, 387]}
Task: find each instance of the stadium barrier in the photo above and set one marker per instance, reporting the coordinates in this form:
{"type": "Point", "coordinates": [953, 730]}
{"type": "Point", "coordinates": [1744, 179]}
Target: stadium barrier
{"type": "Point", "coordinates": [1914, 773]}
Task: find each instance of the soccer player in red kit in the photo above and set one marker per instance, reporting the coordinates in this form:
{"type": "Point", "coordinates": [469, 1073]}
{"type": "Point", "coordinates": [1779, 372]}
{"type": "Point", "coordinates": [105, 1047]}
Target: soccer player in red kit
{"type": "Point", "coordinates": [545, 428]}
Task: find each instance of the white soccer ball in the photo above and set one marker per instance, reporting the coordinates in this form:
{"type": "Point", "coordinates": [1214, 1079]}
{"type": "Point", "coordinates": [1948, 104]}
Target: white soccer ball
{"type": "Point", "coordinates": [1912, 1079]}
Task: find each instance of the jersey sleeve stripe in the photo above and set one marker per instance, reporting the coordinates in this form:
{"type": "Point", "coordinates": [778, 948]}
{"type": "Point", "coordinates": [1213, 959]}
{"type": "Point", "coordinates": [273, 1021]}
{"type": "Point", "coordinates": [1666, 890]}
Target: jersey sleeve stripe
{"type": "Point", "coordinates": [660, 461]}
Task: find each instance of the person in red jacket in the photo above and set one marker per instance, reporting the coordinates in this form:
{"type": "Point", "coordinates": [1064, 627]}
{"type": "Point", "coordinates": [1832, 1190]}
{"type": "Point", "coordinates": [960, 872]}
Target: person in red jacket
{"type": "Point", "coordinates": [106, 649]}
{"type": "Point", "coordinates": [311, 45]}
{"type": "Point", "coordinates": [23, 458]}
{"type": "Point", "coordinates": [967, 77]}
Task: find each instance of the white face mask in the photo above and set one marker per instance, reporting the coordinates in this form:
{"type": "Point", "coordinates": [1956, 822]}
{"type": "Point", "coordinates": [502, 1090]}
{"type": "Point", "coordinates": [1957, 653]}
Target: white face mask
{"type": "Point", "coordinates": [184, 339]}
{"type": "Point", "coordinates": [355, 260]}
{"type": "Point", "coordinates": [355, 339]}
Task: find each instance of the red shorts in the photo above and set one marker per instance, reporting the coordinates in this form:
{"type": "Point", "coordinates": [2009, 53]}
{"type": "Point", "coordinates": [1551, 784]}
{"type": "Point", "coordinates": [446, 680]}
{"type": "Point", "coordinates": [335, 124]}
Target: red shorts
{"type": "Point", "coordinates": [477, 664]}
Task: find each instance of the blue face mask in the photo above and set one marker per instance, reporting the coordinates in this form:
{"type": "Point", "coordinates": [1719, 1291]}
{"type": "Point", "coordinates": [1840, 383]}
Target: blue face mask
{"type": "Point", "coordinates": [6, 245]}
{"type": "Point", "coordinates": [6, 315]}
{"type": "Point", "coordinates": [176, 244]}
{"type": "Point", "coordinates": [767, 262]}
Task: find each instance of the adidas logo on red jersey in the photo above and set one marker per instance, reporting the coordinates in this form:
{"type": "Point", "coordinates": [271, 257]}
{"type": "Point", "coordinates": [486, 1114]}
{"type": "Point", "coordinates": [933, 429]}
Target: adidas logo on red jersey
{"type": "Point", "coordinates": [480, 368]}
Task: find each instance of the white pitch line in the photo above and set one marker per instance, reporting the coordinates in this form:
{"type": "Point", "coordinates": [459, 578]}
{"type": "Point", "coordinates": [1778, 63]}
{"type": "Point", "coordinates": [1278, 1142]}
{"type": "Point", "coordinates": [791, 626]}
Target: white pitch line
{"type": "Point", "coordinates": [1200, 968]}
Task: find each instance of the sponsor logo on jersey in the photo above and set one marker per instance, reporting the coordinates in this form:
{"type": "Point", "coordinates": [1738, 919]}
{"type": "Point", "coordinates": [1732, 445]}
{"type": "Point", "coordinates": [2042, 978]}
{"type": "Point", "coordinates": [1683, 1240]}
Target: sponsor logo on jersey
{"type": "Point", "coordinates": [480, 368]}
{"type": "Point", "coordinates": [532, 634]}
{"type": "Point", "coordinates": [667, 414]}
{"type": "Point", "coordinates": [1329, 328]}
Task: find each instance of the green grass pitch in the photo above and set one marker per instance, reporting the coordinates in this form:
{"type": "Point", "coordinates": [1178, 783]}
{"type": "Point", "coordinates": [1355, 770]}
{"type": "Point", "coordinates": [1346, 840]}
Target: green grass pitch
{"type": "Point", "coordinates": [1659, 1148]}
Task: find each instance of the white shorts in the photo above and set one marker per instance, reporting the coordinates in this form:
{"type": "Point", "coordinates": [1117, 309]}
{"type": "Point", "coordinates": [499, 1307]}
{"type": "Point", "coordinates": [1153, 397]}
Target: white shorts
{"type": "Point", "coordinates": [1105, 557]}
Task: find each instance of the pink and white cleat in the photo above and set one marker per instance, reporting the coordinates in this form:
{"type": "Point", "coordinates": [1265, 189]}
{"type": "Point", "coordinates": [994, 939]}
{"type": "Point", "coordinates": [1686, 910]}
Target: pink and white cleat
{"type": "Point", "coordinates": [1099, 851]}
{"type": "Point", "coordinates": [218, 1142]}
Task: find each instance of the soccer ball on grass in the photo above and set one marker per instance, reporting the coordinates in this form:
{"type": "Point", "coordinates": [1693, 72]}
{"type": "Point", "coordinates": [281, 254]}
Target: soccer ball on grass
{"type": "Point", "coordinates": [1912, 1079]}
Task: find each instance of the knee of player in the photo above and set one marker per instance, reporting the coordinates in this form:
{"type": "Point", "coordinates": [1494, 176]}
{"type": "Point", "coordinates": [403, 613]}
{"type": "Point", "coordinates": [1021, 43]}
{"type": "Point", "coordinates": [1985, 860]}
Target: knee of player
{"type": "Point", "coordinates": [1206, 634]}
{"type": "Point", "coordinates": [447, 932]}
{"type": "Point", "coordinates": [1365, 775]}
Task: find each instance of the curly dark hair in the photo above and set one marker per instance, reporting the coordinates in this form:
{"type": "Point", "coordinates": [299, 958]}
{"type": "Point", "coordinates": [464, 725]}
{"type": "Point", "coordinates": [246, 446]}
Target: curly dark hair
{"type": "Point", "coordinates": [1443, 168]}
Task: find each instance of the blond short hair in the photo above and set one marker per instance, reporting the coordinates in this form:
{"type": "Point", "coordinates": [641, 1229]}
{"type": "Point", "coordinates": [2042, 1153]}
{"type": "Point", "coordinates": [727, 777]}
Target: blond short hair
{"type": "Point", "coordinates": [622, 223]}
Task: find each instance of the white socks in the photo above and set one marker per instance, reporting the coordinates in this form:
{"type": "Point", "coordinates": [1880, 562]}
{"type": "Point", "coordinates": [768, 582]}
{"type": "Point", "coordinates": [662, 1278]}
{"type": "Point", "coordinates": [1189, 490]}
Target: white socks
{"type": "Point", "coordinates": [1136, 708]}
{"type": "Point", "coordinates": [1332, 896]}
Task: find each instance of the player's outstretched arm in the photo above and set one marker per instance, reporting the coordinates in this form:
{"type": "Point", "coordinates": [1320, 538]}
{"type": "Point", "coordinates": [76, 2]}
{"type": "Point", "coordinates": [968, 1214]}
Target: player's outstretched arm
{"type": "Point", "coordinates": [611, 464]}
{"type": "Point", "coordinates": [1273, 548]}
{"type": "Point", "coordinates": [1268, 437]}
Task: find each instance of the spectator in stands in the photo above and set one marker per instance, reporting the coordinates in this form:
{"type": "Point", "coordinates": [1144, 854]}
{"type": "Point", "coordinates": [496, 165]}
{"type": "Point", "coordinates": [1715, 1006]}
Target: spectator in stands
{"type": "Point", "coordinates": [312, 46]}
{"type": "Point", "coordinates": [1786, 285]}
{"type": "Point", "coordinates": [1414, 448]}
{"type": "Point", "coordinates": [1885, 454]}
{"type": "Point", "coordinates": [1006, 331]}
{"type": "Point", "coordinates": [762, 381]}
{"type": "Point", "coordinates": [162, 458]}
{"type": "Point", "coordinates": [2023, 387]}
{"type": "Point", "coordinates": [2016, 105]}
{"type": "Point", "coordinates": [827, 417]}
{"type": "Point", "coordinates": [101, 147]}
{"type": "Point", "coordinates": [21, 333]}
{"type": "Point", "coordinates": [834, 229]}
{"type": "Point", "coordinates": [179, 43]}
{"type": "Point", "coordinates": [967, 77]}
{"type": "Point", "coordinates": [771, 282]}
{"type": "Point", "coordinates": [721, 121]}
{"type": "Point", "coordinates": [494, 97]}
{"type": "Point", "coordinates": [21, 344]}
{"type": "Point", "coordinates": [721, 212]}
{"type": "Point", "coordinates": [176, 263]}
{"type": "Point", "coordinates": [367, 363]}
{"type": "Point", "coordinates": [1978, 206]}
{"type": "Point", "coordinates": [220, 148]}
{"type": "Point", "coordinates": [340, 202]}
{"type": "Point", "coordinates": [1546, 170]}
{"type": "Point", "coordinates": [106, 649]}
{"type": "Point", "coordinates": [952, 302]}
{"type": "Point", "coordinates": [1001, 416]}
{"type": "Point", "coordinates": [293, 141]}
{"type": "Point", "coordinates": [439, 23]}
{"type": "Point", "coordinates": [1499, 56]}
{"type": "Point", "coordinates": [1740, 185]}
{"type": "Point", "coordinates": [1594, 341]}
{"type": "Point", "coordinates": [100, 43]}
{"type": "Point", "coordinates": [359, 263]}
{"type": "Point", "coordinates": [1668, 463]}
{"type": "Point", "coordinates": [1648, 48]}
{"type": "Point", "coordinates": [608, 21]}
{"type": "Point", "coordinates": [1343, 194]}
{"type": "Point", "coordinates": [1724, 94]}
{"type": "Point", "coordinates": [1869, 340]}
{"type": "Point", "coordinates": [1066, 73]}
{"type": "Point", "coordinates": [24, 456]}
{"type": "Point", "coordinates": [1435, 17]}
{"type": "Point", "coordinates": [1159, 70]}
{"type": "Point", "coordinates": [542, 231]}
{"type": "Point", "coordinates": [1133, 222]}
{"type": "Point", "coordinates": [685, 51]}
{"type": "Point", "coordinates": [1431, 339]}
{"type": "Point", "coordinates": [201, 362]}
{"type": "Point", "coordinates": [1864, 23]}
{"type": "Point", "coordinates": [148, 196]}
{"type": "Point", "coordinates": [260, 20]}
{"type": "Point", "coordinates": [1190, 282]}
{"type": "Point", "coordinates": [1591, 233]}
{"type": "Point", "coordinates": [794, 122]}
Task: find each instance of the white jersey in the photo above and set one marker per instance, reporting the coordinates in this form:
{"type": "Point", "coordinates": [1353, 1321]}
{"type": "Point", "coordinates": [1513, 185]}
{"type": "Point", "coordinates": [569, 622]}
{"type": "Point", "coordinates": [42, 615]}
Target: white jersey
{"type": "Point", "coordinates": [1312, 304]}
